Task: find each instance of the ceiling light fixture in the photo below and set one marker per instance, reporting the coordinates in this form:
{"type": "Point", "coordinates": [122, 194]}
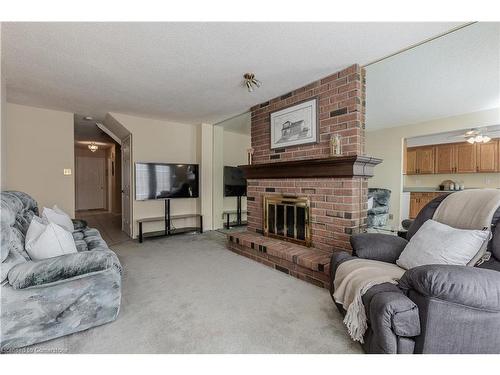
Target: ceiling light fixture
{"type": "Point", "coordinates": [251, 81]}
{"type": "Point", "coordinates": [93, 147]}
{"type": "Point", "coordinates": [479, 138]}
{"type": "Point", "coordinates": [88, 118]}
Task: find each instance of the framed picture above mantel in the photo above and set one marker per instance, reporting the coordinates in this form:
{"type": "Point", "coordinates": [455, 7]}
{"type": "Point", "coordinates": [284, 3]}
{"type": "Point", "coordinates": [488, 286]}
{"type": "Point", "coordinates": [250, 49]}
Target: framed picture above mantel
{"type": "Point", "coordinates": [295, 125]}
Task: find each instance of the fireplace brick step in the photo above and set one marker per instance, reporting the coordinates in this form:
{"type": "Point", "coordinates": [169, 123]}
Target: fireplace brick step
{"type": "Point", "coordinates": [306, 263]}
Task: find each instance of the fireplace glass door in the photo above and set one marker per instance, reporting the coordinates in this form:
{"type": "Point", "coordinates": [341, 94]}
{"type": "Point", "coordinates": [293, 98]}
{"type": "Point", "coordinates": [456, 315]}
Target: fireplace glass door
{"type": "Point", "coordinates": [287, 218]}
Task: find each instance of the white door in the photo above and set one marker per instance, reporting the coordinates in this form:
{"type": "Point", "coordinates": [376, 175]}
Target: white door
{"type": "Point", "coordinates": [126, 181]}
{"type": "Point", "coordinates": [90, 183]}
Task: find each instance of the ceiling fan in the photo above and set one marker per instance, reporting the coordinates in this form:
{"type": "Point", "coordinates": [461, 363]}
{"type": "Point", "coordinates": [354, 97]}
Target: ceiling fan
{"type": "Point", "coordinates": [478, 135]}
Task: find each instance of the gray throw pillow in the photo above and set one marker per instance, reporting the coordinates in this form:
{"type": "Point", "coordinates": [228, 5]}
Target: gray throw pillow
{"type": "Point", "coordinates": [437, 243]}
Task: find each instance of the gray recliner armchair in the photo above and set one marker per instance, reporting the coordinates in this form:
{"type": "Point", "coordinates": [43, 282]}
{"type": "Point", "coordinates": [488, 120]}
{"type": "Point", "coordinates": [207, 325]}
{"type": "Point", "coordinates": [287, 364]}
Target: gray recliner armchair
{"type": "Point", "coordinates": [434, 308]}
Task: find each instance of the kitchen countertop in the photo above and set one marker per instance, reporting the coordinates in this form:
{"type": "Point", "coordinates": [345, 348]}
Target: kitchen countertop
{"type": "Point", "coordinates": [428, 190]}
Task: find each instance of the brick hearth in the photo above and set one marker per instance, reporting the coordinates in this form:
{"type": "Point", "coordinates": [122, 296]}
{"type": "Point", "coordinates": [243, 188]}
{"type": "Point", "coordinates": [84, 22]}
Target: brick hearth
{"type": "Point", "coordinates": [305, 263]}
{"type": "Point", "coordinates": [338, 200]}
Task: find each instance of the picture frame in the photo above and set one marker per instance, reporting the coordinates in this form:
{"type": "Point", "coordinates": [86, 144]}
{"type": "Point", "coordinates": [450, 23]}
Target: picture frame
{"type": "Point", "coordinates": [295, 125]}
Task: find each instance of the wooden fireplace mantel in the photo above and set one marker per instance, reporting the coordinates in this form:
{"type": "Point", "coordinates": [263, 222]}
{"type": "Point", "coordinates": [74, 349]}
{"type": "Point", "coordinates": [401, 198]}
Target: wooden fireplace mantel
{"type": "Point", "coordinates": [342, 166]}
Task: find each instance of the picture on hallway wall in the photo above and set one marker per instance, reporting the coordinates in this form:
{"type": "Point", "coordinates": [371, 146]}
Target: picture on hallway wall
{"type": "Point", "coordinates": [295, 125]}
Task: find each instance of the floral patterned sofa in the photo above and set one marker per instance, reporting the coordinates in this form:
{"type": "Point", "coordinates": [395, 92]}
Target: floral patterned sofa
{"type": "Point", "coordinates": [45, 299]}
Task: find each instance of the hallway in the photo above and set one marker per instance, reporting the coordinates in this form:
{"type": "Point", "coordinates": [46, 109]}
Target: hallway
{"type": "Point", "coordinates": [107, 223]}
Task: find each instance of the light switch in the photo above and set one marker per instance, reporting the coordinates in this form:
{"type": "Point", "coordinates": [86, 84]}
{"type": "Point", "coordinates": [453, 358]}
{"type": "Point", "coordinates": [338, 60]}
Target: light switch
{"type": "Point", "coordinates": [67, 171]}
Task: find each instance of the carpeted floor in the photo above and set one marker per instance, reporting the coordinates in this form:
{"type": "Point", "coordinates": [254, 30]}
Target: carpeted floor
{"type": "Point", "coordinates": [188, 294]}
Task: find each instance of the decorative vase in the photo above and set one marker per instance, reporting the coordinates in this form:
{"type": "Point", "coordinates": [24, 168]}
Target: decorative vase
{"type": "Point", "coordinates": [335, 145]}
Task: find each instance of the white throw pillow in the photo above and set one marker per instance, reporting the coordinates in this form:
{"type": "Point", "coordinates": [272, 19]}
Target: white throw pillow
{"type": "Point", "coordinates": [437, 243]}
{"type": "Point", "coordinates": [57, 216]}
{"type": "Point", "coordinates": [47, 240]}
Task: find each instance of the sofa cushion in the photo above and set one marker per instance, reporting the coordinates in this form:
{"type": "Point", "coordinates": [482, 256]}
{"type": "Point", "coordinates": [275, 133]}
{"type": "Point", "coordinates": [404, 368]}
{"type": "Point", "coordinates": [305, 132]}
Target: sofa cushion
{"type": "Point", "coordinates": [81, 245]}
{"type": "Point", "coordinates": [60, 268]}
{"type": "Point", "coordinates": [79, 224]}
{"type": "Point", "coordinates": [437, 243]}
{"type": "Point", "coordinates": [13, 259]}
{"type": "Point", "coordinates": [16, 242]}
{"type": "Point", "coordinates": [4, 242]}
{"type": "Point", "coordinates": [23, 220]}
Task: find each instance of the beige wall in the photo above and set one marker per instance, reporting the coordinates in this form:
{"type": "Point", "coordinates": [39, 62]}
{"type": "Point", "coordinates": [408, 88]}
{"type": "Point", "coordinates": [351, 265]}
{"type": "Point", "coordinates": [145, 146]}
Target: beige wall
{"type": "Point", "coordinates": [230, 149]}
{"type": "Point", "coordinates": [388, 145]}
{"type": "Point", "coordinates": [40, 145]}
{"type": "Point", "coordinates": [234, 154]}
{"type": "Point", "coordinates": [3, 139]}
{"type": "Point", "coordinates": [470, 180]}
{"type": "Point", "coordinates": [164, 142]}
{"type": "Point", "coordinates": [206, 174]}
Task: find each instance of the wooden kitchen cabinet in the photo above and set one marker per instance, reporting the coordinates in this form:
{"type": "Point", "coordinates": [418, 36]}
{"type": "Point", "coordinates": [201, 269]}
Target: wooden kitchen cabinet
{"type": "Point", "coordinates": [425, 160]}
{"type": "Point", "coordinates": [420, 160]}
{"type": "Point", "coordinates": [465, 157]}
{"type": "Point", "coordinates": [445, 158]}
{"type": "Point", "coordinates": [487, 157]}
{"type": "Point", "coordinates": [450, 158]}
{"type": "Point", "coordinates": [411, 161]}
{"type": "Point", "coordinates": [414, 205]}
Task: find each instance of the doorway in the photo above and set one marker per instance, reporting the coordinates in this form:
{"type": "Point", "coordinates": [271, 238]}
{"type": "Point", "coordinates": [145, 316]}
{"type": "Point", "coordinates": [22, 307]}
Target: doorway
{"type": "Point", "coordinates": [90, 182]}
{"type": "Point", "coordinates": [98, 180]}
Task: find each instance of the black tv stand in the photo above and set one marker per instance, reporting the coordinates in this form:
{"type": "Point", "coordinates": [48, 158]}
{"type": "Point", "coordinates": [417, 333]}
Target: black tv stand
{"type": "Point", "coordinates": [239, 222]}
{"type": "Point", "coordinates": [167, 218]}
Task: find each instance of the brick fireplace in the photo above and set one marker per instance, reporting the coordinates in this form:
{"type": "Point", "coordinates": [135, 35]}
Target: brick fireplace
{"type": "Point", "coordinates": [335, 188]}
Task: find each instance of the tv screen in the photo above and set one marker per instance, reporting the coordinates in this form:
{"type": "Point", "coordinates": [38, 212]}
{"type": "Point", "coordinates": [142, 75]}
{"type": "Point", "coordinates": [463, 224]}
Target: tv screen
{"type": "Point", "coordinates": [163, 181]}
{"type": "Point", "coordinates": [235, 184]}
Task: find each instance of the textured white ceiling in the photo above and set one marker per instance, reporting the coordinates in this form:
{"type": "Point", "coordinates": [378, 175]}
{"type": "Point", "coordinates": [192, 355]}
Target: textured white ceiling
{"type": "Point", "coordinates": [185, 72]}
{"type": "Point", "coordinates": [456, 74]}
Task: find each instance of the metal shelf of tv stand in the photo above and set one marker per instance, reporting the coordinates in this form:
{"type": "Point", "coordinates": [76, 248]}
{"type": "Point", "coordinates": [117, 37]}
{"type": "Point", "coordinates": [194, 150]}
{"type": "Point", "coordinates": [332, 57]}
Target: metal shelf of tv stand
{"type": "Point", "coordinates": [167, 231]}
{"type": "Point", "coordinates": [228, 224]}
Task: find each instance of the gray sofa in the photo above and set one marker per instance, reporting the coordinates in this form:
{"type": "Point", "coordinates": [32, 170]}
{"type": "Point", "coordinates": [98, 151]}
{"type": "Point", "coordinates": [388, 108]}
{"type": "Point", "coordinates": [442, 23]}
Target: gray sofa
{"type": "Point", "coordinates": [435, 308]}
{"type": "Point", "coordinates": [46, 299]}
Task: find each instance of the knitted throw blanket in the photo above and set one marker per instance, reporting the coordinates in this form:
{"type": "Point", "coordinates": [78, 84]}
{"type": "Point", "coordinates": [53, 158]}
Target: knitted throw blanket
{"type": "Point", "coordinates": [352, 279]}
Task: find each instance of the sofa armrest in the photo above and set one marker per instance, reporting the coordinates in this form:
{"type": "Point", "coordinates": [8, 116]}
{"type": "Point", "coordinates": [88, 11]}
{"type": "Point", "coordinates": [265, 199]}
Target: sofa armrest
{"type": "Point", "coordinates": [470, 286]}
{"type": "Point", "coordinates": [36, 273]}
{"type": "Point", "coordinates": [338, 257]}
{"type": "Point", "coordinates": [378, 246]}
{"type": "Point", "coordinates": [392, 315]}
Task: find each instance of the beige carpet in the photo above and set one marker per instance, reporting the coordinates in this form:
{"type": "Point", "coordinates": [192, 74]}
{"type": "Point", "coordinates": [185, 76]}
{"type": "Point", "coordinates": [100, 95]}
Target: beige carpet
{"type": "Point", "coordinates": [188, 294]}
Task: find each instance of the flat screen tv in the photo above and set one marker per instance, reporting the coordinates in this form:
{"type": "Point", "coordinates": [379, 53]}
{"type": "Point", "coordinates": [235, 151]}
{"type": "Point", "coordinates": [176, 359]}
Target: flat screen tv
{"type": "Point", "coordinates": [165, 181]}
{"type": "Point", "coordinates": [235, 184]}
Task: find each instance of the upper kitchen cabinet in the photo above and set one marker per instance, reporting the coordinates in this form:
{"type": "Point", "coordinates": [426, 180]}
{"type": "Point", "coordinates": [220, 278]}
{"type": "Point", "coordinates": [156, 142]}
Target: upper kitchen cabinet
{"type": "Point", "coordinates": [420, 160]}
{"type": "Point", "coordinates": [465, 157]}
{"type": "Point", "coordinates": [445, 158]}
{"type": "Point", "coordinates": [487, 157]}
{"type": "Point", "coordinates": [454, 158]}
{"type": "Point", "coordinates": [411, 161]}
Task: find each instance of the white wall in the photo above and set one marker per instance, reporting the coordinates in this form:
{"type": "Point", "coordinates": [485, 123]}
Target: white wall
{"type": "Point", "coordinates": [164, 142]}
{"type": "Point", "coordinates": [388, 145]}
{"type": "Point", "coordinates": [40, 145]}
